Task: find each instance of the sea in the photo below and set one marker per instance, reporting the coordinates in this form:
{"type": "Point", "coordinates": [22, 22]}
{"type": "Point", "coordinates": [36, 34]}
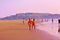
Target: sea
{"type": "Point", "coordinates": [49, 27]}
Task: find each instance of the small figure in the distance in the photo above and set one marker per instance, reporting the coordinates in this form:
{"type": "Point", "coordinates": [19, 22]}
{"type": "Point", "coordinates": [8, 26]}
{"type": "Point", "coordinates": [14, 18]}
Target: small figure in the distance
{"type": "Point", "coordinates": [59, 25]}
{"type": "Point", "coordinates": [52, 20]}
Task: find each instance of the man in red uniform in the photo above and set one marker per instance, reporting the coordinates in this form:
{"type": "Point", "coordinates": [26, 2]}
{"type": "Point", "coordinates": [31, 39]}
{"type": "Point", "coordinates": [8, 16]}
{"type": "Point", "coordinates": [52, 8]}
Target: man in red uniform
{"type": "Point", "coordinates": [31, 24]}
{"type": "Point", "coordinates": [34, 23]}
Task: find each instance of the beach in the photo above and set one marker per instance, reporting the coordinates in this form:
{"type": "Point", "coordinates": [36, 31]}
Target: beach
{"type": "Point", "coordinates": [17, 30]}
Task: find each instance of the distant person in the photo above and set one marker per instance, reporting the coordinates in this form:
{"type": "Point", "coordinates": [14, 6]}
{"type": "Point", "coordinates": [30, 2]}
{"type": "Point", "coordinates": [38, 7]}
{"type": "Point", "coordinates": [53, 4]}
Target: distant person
{"type": "Point", "coordinates": [59, 25]}
{"type": "Point", "coordinates": [23, 21]}
{"type": "Point", "coordinates": [59, 21]}
{"type": "Point", "coordinates": [42, 20]}
{"type": "Point", "coordinates": [52, 20]}
{"type": "Point", "coordinates": [46, 20]}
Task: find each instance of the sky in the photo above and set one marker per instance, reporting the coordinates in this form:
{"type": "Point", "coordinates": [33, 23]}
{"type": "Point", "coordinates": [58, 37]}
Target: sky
{"type": "Point", "coordinates": [11, 7]}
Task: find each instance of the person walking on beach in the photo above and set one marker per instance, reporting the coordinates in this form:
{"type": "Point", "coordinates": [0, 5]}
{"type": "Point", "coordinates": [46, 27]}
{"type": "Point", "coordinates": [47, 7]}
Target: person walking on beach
{"type": "Point", "coordinates": [30, 24]}
{"type": "Point", "coordinates": [33, 24]}
{"type": "Point", "coordinates": [52, 20]}
{"type": "Point", "coordinates": [59, 21]}
{"type": "Point", "coordinates": [59, 25]}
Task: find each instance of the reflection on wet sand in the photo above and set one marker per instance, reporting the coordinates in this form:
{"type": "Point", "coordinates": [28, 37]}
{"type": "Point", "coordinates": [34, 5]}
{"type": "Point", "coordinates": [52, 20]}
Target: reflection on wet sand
{"type": "Point", "coordinates": [49, 27]}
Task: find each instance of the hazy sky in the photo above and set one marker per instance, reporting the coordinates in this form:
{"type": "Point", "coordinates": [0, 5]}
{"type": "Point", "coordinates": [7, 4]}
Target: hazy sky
{"type": "Point", "coordinates": [11, 7]}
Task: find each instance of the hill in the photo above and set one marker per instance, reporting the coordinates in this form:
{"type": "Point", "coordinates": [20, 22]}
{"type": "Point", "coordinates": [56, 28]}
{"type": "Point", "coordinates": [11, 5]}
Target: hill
{"type": "Point", "coordinates": [31, 15]}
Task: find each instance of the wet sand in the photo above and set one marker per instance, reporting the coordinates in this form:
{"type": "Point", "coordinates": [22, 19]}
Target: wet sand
{"type": "Point", "coordinates": [16, 30]}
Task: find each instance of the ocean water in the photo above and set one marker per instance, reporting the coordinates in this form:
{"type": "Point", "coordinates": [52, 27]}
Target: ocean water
{"type": "Point", "coordinates": [49, 27]}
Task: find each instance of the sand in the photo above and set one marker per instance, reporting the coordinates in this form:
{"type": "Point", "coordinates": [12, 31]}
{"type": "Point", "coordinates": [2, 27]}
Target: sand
{"type": "Point", "coordinates": [17, 30]}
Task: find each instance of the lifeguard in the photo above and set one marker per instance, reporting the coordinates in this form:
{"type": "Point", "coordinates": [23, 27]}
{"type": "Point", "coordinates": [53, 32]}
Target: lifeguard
{"type": "Point", "coordinates": [31, 24]}
{"type": "Point", "coordinates": [34, 23]}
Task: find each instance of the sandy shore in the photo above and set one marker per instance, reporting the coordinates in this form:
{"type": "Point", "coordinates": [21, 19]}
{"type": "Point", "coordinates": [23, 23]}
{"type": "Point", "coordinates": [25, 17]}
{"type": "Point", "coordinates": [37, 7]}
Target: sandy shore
{"type": "Point", "coordinates": [16, 30]}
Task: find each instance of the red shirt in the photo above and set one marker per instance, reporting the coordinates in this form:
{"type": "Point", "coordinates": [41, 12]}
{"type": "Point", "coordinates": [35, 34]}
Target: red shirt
{"type": "Point", "coordinates": [31, 22]}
